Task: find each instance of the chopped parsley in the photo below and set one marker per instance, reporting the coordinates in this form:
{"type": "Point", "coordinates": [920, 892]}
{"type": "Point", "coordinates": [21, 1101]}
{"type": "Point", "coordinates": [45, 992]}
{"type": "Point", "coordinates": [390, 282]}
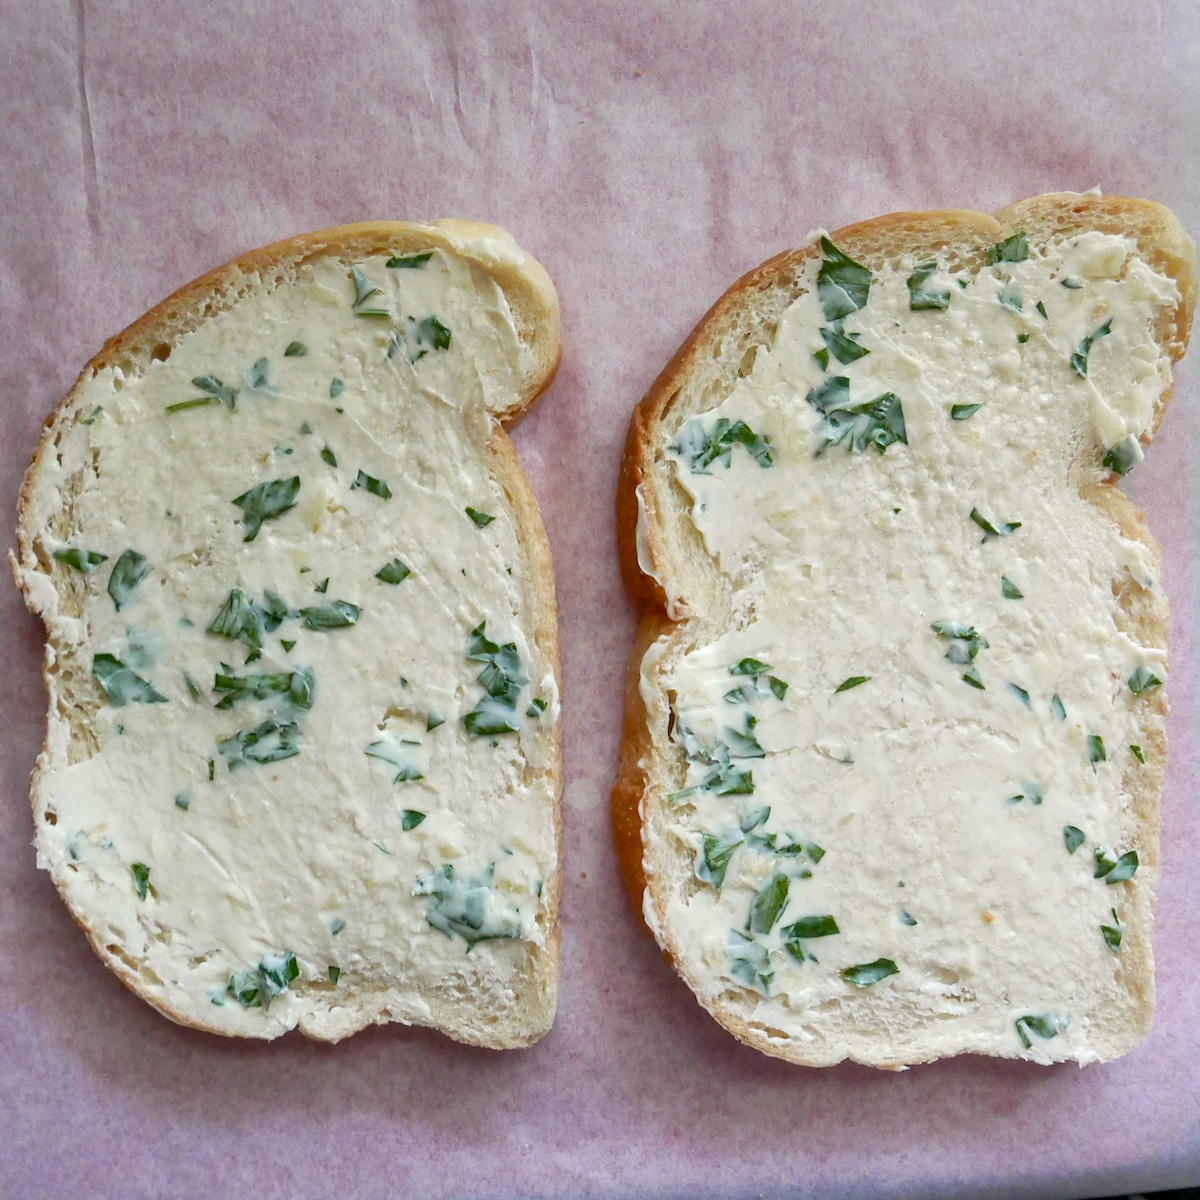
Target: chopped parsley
{"type": "Point", "coordinates": [375, 486]}
{"type": "Point", "coordinates": [265, 501]}
{"type": "Point", "coordinates": [409, 261]}
{"type": "Point", "coordinates": [433, 720]}
{"type": "Point", "coordinates": [1020, 693]}
{"type": "Point", "coordinates": [990, 531]}
{"type": "Point", "coordinates": [1079, 360]}
{"type": "Point", "coordinates": [843, 346]}
{"type": "Point", "coordinates": [906, 918]}
{"type": "Point", "coordinates": [1010, 590]}
{"type": "Point", "coordinates": [295, 350]}
{"type": "Point", "coordinates": [418, 338]}
{"type": "Point", "coordinates": [1136, 751]}
{"type": "Point", "coordinates": [972, 676]}
{"type": "Point", "coordinates": [337, 614]}
{"type": "Point", "coordinates": [1045, 1027]}
{"type": "Point", "coordinates": [184, 405]}
{"type": "Point", "coordinates": [1112, 933]}
{"type": "Point", "coordinates": [216, 390]}
{"type": "Point", "coordinates": [502, 678]}
{"type": "Point", "coordinates": [410, 818]}
{"type": "Point", "coordinates": [1124, 456]}
{"type": "Point", "coordinates": [964, 641]}
{"type": "Point", "coordinates": [1013, 249]}
{"type": "Point", "coordinates": [870, 973]}
{"type": "Point", "coordinates": [296, 686]}
{"type": "Point", "coordinates": [256, 987]}
{"type": "Point", "coordinates": [141, 879]}
{"type": "Point", "coordinates": [768, 905]}
{"type": "Point", "coordinates": [393, 572]}
{"type": "Point", "coordinates": [1010, 296]}
{"type": "Point", "coordinates": [480, 519]}
{"type": "Point", "coordinates": [962, 412]}
{"type": "Point", "coordinates": [1041, 309]}
{"type": "Point", "coordinates": [128, 571]}
{"type": "Point", "coordinates": [1056, 707]}
{"type": "Point", "coordinates": [364, 289]}
{"type": "Point", "coordinates": [122, 686]}
{"type": "Point", "coordinates": [467, 907]}
{"type": "Point", "coordinates": [537, 706]}
{"type": "Point", "coordinates": [80, 560]}
{"type": "Point", "coordinates": [853, 682]}
{"type": "Point", "coordinates": [241, 619]}
{"type": "Point", "coordinates": [843, 285]}
{"type": "Point", "coordinates": [796, 934]}
{"type": "Point", "coordinates": [878, 422]}
{"type": "Point", "coordinates": [748, 961]}
{"type": "Point", "coordinates": [702, 449]}
{"type": "Point", "coordinates": [272, 741]}
{"type": "Point", "coordinates": [1073, 837]}
{"type": "Point", "coordinates": [335, 973]}
{"type": "Point", "coordinates": [336, 388]}
{"type": "Point", "coordinates": [257, 375]}
{"type": "Point", "coordinates": [183, 800]}
{"type": "Point", "coordinates": [328, 456]}
{"type": "Point", "coordinates": [1143, 680]}
{"type": "Point", "coordinates": [920, 294]}
{"type": "Point", "coordinates": [713, 860]}
{"type": "Point", "coordinates": [1115, 870]}
{"type": "Point", "coordinates": [1095, 749]}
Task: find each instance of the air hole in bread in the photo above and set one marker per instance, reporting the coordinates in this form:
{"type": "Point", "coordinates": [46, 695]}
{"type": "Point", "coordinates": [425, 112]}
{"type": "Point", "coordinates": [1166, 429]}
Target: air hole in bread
{"type": "Point", "coordinates": [161, 352]}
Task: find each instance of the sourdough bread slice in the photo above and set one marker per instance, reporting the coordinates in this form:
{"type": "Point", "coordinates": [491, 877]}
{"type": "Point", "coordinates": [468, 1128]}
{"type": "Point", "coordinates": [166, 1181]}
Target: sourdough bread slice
{"type": "Point", "coordinates": [302, 763]}
{"type": "Point", "coordinates": [894, 737]}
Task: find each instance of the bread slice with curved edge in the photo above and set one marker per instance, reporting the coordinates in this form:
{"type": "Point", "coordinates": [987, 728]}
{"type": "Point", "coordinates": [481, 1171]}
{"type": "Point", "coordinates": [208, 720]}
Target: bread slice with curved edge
{"type": "Point", "coordinates": [894, 737]}
{"type": "Point", "coordinates": [302, 764]}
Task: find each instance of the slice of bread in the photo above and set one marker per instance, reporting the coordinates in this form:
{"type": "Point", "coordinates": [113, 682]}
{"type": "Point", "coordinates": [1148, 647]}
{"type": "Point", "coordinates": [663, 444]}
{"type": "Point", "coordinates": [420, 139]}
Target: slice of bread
{"type": "Point", "coordinates": [302, 763]}
{"type": "Point", "coordinates": [894, 737]}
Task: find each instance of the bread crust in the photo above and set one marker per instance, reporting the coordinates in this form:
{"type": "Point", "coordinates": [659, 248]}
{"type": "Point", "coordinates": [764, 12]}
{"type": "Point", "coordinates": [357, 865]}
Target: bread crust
{"type": "Point", "coordinates": [533, 304]}
{"type": "Point", "coordinates": [712, 353]}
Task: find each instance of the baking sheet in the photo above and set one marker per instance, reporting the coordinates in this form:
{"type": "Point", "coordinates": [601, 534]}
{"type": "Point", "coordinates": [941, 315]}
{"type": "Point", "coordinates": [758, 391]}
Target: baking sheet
{"type": "Point", "coordinates": [647, 154]}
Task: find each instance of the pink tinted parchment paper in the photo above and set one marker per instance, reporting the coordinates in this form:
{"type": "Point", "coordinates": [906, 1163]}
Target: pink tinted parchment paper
{"type": "Point", "coordinates": [647, 154]}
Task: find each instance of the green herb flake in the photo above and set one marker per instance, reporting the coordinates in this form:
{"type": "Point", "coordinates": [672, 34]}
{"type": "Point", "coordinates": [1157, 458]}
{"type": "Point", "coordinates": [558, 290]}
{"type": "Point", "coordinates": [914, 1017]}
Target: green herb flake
{"type": "Point", "coordinates": [821, 358]}
{"type": "Point", "coordinates": [1124, 456]}
{"type": "Point", "coordinates": [375, 486]}
{"type": "Point", "coordinates": [217, 390]}
{"type": "Point", "coordinates": [296, 686]}
{"type": "Point", "coordinates": [1143, 680]}
{"type": "Point", "coordinates": [480, 519]}
{"type": "Point", "coordinates": [121, 686]}
{"type": "Point", "coordinates": [270, 742]}
{"type": "Point", "coordinates": [256, 987]}
{"type": "Point", "coordinates": [335, 973]}
{"type": "Point", "coordinates": [1112, 933]}
{"type": "Point", "coordinates": [502, 678]}
{"type": "Point", "coordinates": [199, 402]}
{"type": "Point", "coordinates": [1013, 249]}
{"type": "Point", "coordinates": [257, 375]}
{"type": "Point", "coordinates": [85, 561]}
{"type": "Point", "coordinates": [870, 973]}
{"type": "Point", "coordinates": [336, 388]}
{"type": "Point", "coordinates": [990, 531]}
{"type": "Point", "coordinates": [393, 572]}
{"type": "Point", "coordinates": [418, 338]}
{"type": "Point", "coordinates": [1136, 751]}
{"type": "Point", "coordinates": [963, 412]}
{"type": "Point", "coordinates": [973, 677]}
{"type": "Point", "coordinates": [1074, 837]}
{"type": "Point", "coordinates": [128, 571]}
{"type": "Point", "coordinates": [91, 417]}
{"type": "Point", "coordinates": [920, 295]}
{"type": "Point", "coordinates": [843, 346]}
{"type": "Point", "coordinates": [777, 686]}
{"type": "Point", "coordinates": [1020, 693]}
{"type": "Point", "coordinates": [1041, 309]}
{"type": "Point", "coordinates": [1044, 1027]}
{"type": "Point", "coordinates": [410, 818]}
{"type": "Point", "coordinates": [964, 641]}
{"type": "Point", "coordinates": [768, 905]}
{"type": "Point", "coordinates": [265, 501]}
{"type": "Point", "coordinates": [853, 682]}
{"type": "Point", "coordinates": [1010, 296]}
{"type": "Point", "coordinates": [337, 614]}
{"type": "Point", "coordinates": [701, 449]}
{"type": "Point", "coordinates": [1115, 870]}
{"type": "Point", "coordinates": [212, 769]}
{"type": "Point", "coordinates": [878, 422]}
{"type": "Point", "coordinates": [1095, 749]}
{"type": "Point", "coordinates": [537, 706]}
{"type": "Point", "coordinates": [1022, 338]}
{"type": "Point", "coordinates": [364, 289]}
{"type": "Point", "coordinates": [1010, 590]}
{"type": "Point", "coordinates": [408, 261]}
{"type": "Point", "coordinates": [433, 720]}
{"type": "Point", "coordinates": [750, 666]}
{"type": "Point", "coordinates": [714, 858]}
{"type": "Point", "coordinates": [906, 919]}
{"type": "Point", "coordinates": [1072, 282]}
{"type": "Point", "coordinates": [1056, 707]}
{"type": "Point", "coordinates": [328, 456]}
{"type": "Point", "coordinates": [467, 906]}
{"type": "Point", "coordinates": [1079, 360]}
{"type": "Point", "coordinates": [141, 879]}
{"type": "Point", "coordinates": [843, 285]}
{"type": "Point", "coordinates": [295, 350]}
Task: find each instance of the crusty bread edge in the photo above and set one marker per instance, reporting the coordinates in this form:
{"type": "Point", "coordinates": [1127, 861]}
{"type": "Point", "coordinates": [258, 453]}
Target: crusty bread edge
{"type": "Point", "coordinates": [533, 303]}
{"type": "Point", "coordinates": [1163, 243]}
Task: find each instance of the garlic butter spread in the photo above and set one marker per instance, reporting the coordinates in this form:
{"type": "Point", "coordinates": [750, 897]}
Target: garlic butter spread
{"type": "Point", "coordinates": [315, 776]}
{"type": "Point", "coordinates": [905, 757]}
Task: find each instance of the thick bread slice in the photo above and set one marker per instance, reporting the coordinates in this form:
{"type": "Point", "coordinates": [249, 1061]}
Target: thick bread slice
{"type": "Point", "coordinates": [302, 763]}
{"type": "Point", "coordinates": [894, 738]}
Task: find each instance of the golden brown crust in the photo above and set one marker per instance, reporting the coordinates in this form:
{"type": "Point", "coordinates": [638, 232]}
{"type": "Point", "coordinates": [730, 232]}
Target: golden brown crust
{"type": "Point", "coordinates": [689, 383]}
{"type": "Point", "coordinates": [534, 308]}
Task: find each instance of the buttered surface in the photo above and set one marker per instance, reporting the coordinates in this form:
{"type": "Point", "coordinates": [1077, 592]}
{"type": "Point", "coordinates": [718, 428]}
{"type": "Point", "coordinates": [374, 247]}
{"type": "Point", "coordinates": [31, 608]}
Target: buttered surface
{"type": "Point", "coordinates": [352, 813]}
{"type": "Point", "coordinates": [959, 657]}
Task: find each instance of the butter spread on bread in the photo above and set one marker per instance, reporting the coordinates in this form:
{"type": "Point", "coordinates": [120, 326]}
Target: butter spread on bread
{"type": "Point", "coordinates": [896, 726]}
{"type": "Point", "coordinates": [302, 764]}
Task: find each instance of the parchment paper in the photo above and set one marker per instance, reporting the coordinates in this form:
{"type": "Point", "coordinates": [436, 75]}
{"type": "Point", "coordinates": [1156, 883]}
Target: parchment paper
{"type": "Point", "coordinates": [647, 154]}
